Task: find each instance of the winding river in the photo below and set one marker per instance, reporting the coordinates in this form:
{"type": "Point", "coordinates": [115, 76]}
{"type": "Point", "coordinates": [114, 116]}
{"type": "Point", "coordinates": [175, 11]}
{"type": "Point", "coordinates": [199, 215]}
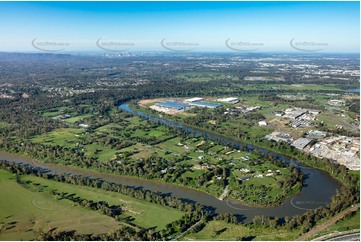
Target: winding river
{"type": "Point", "coordinates": [317, 191]}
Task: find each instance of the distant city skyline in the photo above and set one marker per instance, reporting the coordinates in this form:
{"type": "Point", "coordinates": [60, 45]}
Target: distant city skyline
{"type": "Point", "coordinates": [295, 27]}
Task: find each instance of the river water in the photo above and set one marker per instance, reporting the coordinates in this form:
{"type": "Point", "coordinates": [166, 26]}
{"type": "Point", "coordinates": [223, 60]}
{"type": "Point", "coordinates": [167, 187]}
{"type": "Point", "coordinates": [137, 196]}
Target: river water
{"type": "Point", "coordinates": [317, 191]}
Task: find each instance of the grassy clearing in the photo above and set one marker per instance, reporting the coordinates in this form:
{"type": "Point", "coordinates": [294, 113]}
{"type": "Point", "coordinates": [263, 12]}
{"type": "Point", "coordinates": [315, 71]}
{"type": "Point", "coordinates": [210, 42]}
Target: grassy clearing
{"type": "Point", "coordinates": [109, 128]}
{"type": "Point", "coordinates": [4, 125]}
{"type": "Point", "coordinates": [103, 153]}
{"type": "Point", "coordinates": [335, 120]}
{"type": "Point", "coordinates": [220, 230]}
{"type": "Point", "coordinates": [67, 137]}
{"type": "Point", "coordinates": [172, 146]}
{"type": "Point", "coordinates": [145, 214]}
{"type": "Point", "coordinates": [77, 118]}
{"type": "Point", "coordinates": [193, 174]}
{"type": "Point", "coordinates": [24, 212]}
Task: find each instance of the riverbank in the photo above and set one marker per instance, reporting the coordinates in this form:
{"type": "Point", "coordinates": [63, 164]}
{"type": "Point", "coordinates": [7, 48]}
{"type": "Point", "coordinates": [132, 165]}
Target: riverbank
{"type": "Point", "coordinates": [157, 182]}
{"type": "Point", "coordinates": [312, 191]}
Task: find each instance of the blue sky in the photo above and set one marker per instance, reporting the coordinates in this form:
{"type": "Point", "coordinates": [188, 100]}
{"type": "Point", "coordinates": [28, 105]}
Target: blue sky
{"type": "Point", "coordinates": [265, 26]}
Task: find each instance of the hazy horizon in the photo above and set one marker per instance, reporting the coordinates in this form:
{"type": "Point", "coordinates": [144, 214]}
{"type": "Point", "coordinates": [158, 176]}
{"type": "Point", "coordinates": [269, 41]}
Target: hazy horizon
{"type": "Point", "coordinates": [244, 27]}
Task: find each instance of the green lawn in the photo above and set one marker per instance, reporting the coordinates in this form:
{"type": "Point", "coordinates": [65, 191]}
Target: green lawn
{"type": "Point", "coordinates": [24, 212]}
{"type": "Point", "coordinates": [77, 118]}
{"type": "Point", "coordinates": [172, 146]}
{"type": "Point", "coordinates": [53, 112]}
{"type": "Point", "coordinates": [103, 153]}
{"type": "Point", "coordinates": [145, 214]}
{"type": "Point", "coordinates": [67, 137]}
{"type": "Point", "coordinates": [192, 174]}
{"type": "Point", "coordinates": [155, 133]}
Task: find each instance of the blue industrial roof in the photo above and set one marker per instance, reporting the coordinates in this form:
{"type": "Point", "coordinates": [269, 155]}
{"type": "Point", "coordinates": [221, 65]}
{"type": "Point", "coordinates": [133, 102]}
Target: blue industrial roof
{"type": "Point", "coordinates": [173, 105]}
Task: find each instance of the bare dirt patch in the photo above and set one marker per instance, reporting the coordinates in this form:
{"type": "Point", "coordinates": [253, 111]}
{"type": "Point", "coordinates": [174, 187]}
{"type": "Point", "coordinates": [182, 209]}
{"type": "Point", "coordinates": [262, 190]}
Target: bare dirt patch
{"type": "Point", "coordinates": [147, 102]}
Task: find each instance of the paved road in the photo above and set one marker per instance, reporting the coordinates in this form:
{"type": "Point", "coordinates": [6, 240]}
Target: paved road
{"type": "Point", "coordinates": [348, 237]}
{"type": "Point", "coordinates": [340, 236]}
{"type": "Point", "coordinates": [328, 223]}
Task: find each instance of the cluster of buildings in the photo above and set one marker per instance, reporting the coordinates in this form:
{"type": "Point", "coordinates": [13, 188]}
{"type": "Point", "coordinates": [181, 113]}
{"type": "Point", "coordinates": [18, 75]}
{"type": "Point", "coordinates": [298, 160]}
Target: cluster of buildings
{"type": "Point", "coordinates": [280, 136]}
{"type": "Point", "coordinates": [336, 102]}
{"type": "Point", "coordinates": [174, 106]}
{"type": "Point", "coordinates": [246, 109]}
{"type": "Point", "coordinates": [178, 105]}
{"type": "Point", "coordinates": [343, 150]}
{"type": "Point", "coordinates": [316, 134]}
{"type": "Point", "coordinates": [300, 123]}
{"type": "Point", "coordinates": [299, 114]}
{"type": "Point", "coordinates": [241, 109]}
{"type": "Point", "coordinates": [299, 117]}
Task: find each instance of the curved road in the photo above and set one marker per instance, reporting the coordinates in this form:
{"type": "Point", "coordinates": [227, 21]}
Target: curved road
{"type": "Point", "coordinates": [348, 237]}
{"type": "Point", "coordinates": [351, 235]}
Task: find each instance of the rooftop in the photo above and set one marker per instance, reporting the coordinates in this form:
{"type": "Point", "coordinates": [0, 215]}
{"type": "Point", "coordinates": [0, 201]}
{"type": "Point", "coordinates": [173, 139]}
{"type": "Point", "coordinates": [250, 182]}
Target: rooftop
{"type": "Point", "coordinates": [195, 99]}
{"type": "Point", "coordinates": [206, 104]}
{"type": "Point", "coordinates": [173, 105]}
{"type": "Point", "coordinates": [301, 143]}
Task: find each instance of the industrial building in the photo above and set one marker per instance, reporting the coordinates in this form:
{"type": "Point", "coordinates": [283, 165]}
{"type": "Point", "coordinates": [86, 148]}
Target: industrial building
{"type": "Point", "coordinates": [232, 100]}
{"type": "Point", "coordinates": [294, 113]}
{"type": "Point", "coordinates": [173, 105]}
{"type": "Point", "coordinates": [315, 134]}
{"type": "Point", "coordinates": [195, 99]}
{"type": "Point", "coordinates": [205, 104]}
{"type": "Point", "coordinates": [279, 136]}
{"type": "Point", "coordinates": [298, 123]}
{"type": "Point", "coordinates": [262, 123]}
{"type": "Point", "coordinates": [301, 143]}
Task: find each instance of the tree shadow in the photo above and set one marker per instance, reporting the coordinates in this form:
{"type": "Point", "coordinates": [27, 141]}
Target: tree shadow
{"type": "Point", "coordinates": [248, 238]}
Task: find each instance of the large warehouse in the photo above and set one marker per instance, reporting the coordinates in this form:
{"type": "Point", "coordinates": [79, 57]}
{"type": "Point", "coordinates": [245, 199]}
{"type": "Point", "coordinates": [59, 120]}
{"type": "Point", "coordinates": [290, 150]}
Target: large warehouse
{"type": "Point", "coordinates": [233, 100]}
{"type": "Point", "coordinates": [205, 104]}
{"type": "Point", "coordinates": [173, 105]}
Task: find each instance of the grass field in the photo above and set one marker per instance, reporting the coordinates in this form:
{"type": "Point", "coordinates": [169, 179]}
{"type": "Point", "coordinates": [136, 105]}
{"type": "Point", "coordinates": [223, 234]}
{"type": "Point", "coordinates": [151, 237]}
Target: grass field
{"type": "Point", "coordinates": [67, 137]}
{"type": "Point", "coordinates": [103, 153]}
{"type": "Point", "coordinates": [24, 212]}
{"type": "Point", "coordinates": [220, 230]}
{"type": "Point", "coordinates": [145, 214]}
{"type": "Point", "coordinates": [77, 118]}
{"type": "Point", "coordinates": [54, 112]}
